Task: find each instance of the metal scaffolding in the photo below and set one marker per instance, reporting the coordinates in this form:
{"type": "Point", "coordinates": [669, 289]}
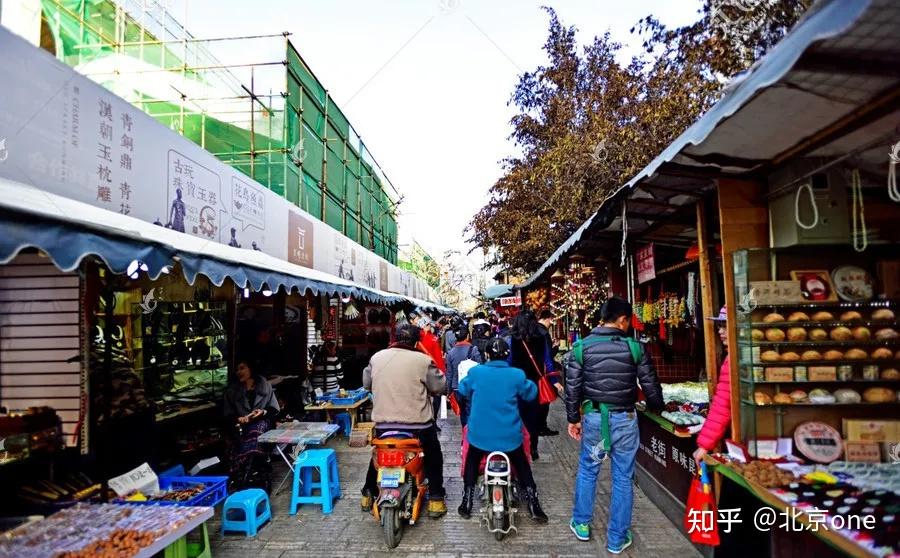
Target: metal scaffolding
{"type": "Point", "coordinates": [292, 138]}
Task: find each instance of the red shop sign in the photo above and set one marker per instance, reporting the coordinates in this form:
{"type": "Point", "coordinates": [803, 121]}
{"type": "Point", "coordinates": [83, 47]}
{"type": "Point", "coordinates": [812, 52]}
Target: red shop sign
{"type": "Point", "coordinates": [646, 268]}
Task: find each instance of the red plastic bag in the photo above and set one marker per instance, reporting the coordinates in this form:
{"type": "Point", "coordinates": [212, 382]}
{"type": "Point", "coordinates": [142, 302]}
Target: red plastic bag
{"type": "Point", "coordinates": [454, 402]}
{"type": "Point", "coordinates": [700, 521]}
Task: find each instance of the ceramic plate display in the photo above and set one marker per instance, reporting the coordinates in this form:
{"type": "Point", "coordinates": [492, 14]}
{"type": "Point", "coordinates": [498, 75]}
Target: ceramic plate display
{"type": "Point", "coordinates": [818, 442]}
{"type": "Point", "coordinates": [853, 284]}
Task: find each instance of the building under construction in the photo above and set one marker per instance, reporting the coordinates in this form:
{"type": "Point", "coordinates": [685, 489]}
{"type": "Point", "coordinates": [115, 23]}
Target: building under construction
{"type": "Point", "coordinates": [293, 139]}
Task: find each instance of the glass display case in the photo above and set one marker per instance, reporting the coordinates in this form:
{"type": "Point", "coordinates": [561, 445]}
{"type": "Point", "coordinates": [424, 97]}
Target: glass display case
{"type": "Point", "coordinates": [817, 339]}
{"type": "Point", "coordinates": [179, 350]}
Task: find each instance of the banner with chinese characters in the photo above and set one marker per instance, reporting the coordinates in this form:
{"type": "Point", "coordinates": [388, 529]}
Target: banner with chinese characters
{"type": "Point", "coordinates": [667, 457]}
{"type": "Point", "coordinates": [65, 134]}
{"type": "Point", "coordinates": [646, 265]}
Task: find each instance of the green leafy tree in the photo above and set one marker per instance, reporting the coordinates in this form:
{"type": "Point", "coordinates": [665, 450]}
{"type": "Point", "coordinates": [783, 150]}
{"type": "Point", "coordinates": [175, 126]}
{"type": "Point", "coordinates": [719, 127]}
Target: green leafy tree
{"type": "Point", "coordinates": [587, 123]}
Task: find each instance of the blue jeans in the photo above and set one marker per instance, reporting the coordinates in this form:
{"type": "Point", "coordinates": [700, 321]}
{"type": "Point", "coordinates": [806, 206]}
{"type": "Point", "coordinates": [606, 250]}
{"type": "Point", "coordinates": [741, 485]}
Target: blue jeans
{"type": "Point", "coordinates": [623, 433]}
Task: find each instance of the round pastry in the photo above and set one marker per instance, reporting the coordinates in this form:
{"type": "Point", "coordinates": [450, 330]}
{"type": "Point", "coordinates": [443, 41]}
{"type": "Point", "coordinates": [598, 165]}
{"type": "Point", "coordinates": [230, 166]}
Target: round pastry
{"type": "Point", "coordinates": [770, 356]}
{"type": "Point", "coordinates": [851, 316]}
{"type": "Point", "coordinates": [820, 395]}
{"type": "Point", "coordinates": [796, 334]}
{"type": "Point", "coordinates": [773, 317]}
{"type": "Point", "coordinates": [882, 352]}
{"type": "Point", "coordinates": [886, 333]}
{"type": "Point", "coordinates": [879, 395]}
{"type": "Point", "coordinates": [845, 395]}
{"type": "Point", "coordinates": [818, 334]}
{"type": "Point", "coordinates": [890, 374]}
{"type": "Point", "coordinates": [811, 355]}
{"type": "Point", "coordinates": [841, 334]}
{"type": "Point", "coordinates": [859, 354]}
{"type": "Point", "coordinates": [861, 333]}
{"type": "Point", "coordinates": [799, 396]}
{"type": "Point", "coordinates": [833, 355]}
{"type": "Point", "coordinates": [783, 399]}
{"type": "Point", "coordinates": [798, 317]}
{"type": "Point", "coordinates": [790, 356]}
{"type": "Point", "coordinates": [757, 334]}
{"type": "Point", "coordinates": [822, 316]}
{"type": "Point", "coordinates": [774, 334]}
{"type": "Point", "coordinates": [883, 314]}
{"type": "Point", "coordinates": [762, 398]}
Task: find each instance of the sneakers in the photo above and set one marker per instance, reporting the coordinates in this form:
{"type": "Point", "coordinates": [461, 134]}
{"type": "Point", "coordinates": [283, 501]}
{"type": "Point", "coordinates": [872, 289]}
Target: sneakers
{"type": "Point", "coordinates": [583, 533]}
{"type": "Point", "coordinates": [582, 530]}
{"type": "Point", "coordinates": [436, 508]}
{"type": "Point", "coordinates": [621, 548]}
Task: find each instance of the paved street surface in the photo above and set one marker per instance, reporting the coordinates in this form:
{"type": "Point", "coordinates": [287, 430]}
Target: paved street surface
{"type": "Point", "coordinates": [349, 532]}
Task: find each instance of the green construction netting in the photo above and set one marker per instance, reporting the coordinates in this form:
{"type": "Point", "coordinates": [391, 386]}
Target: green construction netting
{"type": "Point", "coordinates": [85, 31]}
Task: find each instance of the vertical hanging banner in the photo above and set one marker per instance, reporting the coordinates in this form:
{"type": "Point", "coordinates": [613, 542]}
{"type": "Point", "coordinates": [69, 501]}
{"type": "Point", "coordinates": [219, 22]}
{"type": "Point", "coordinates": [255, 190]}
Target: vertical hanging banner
{"type": "Point", "coordinates": [646, 267]}
{"type": "Point", "coordinates": [68, 135]}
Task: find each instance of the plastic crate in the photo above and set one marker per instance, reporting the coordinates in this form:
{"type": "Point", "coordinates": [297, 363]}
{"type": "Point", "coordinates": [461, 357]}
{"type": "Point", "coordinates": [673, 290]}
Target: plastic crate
{"type": "Point", "coordinates": [216, 491]}
{"type": "Point", "coordinates": [349, 399]}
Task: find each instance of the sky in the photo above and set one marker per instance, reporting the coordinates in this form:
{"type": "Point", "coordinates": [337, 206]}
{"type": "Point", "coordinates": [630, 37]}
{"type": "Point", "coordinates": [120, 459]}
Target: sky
{"type": "Point", "coordinates": [426, 83]}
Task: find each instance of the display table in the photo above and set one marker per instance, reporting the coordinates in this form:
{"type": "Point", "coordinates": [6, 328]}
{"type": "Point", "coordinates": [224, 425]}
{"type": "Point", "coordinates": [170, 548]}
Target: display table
{"type": "Point", "coordinates": [73, 531]}
{"type": "Point", "coordinates": [331, 408]}
{"type": "Point", "coordinates": [812, 530]}
{"type": "Point", "coordinates": [300, 435]}
{"type": "Point", "coordinates": [665, 454]}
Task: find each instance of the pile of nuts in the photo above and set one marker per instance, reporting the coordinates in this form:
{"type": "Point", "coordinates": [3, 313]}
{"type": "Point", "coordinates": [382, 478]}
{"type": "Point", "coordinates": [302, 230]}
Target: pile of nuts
{"type": "Point", "coordinates": [764, 473]}
{"type": "Point", "coordinates": [121, 543]}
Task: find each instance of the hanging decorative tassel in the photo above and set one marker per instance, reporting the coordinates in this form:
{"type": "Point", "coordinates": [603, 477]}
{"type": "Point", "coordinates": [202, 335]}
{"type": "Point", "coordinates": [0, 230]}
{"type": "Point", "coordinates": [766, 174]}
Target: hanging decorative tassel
{"type": "Point", "coordinates": [860, 234]}
{"type": "Point", "coordinates": [351, 312]}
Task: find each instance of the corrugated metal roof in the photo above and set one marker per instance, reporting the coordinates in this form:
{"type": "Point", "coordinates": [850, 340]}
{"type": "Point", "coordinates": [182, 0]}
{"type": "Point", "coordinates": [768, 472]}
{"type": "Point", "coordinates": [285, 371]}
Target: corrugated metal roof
{"type": "Point", "coordinates": [840, 57]}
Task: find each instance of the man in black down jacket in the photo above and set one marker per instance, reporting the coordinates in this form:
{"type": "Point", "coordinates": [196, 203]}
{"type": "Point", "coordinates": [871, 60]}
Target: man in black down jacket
{"type": "Point", "coordinates": [603, 386]}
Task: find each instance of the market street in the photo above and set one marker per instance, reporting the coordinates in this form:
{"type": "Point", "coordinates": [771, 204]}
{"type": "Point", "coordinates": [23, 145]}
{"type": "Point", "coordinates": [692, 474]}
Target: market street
{"type": "Point", "coordinates": [348, 532]}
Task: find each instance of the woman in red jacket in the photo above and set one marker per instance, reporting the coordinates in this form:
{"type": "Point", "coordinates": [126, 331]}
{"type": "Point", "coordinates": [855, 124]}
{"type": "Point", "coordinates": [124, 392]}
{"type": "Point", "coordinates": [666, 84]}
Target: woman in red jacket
{"type": "Point", "coordinates": [719, 418]}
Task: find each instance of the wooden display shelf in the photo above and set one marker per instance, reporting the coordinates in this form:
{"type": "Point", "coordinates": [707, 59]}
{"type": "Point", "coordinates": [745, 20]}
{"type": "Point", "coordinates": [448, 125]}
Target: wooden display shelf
{"type": "Point", "coordinates": [890, 303]}
{"type": "Point", "coordinates": [823, 325]}
{"type": "Point", "coordinates": [832, 538]}
{"type": "Point", "coordinates": [841, 362]}
{"type": "Point", "coordinates": [860, 404]}
{"type": "Point", "coordinates": [854, 381]}
{"type": "Point", "coordinates": [824, 344]}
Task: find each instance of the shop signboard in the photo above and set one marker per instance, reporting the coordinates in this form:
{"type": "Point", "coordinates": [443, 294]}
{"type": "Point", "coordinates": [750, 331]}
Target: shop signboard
{"type": "Point", "coordinates": [511, 300]}
{"type": "Point", "coordinates": [666, 457]}
{"type": "Point", "coordinates": [646, 268]}
{"type": "Point", "coordinates": [65, 134]}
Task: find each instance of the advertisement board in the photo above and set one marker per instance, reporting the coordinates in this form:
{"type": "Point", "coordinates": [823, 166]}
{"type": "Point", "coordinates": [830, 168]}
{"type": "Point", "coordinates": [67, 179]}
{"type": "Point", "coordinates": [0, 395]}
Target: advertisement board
{"type": "Point", "coordinates": [65, 134]}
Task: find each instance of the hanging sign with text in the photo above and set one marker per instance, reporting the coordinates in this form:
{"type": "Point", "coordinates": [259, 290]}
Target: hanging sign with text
{"type": "Point", "coordinates": [646, 267]}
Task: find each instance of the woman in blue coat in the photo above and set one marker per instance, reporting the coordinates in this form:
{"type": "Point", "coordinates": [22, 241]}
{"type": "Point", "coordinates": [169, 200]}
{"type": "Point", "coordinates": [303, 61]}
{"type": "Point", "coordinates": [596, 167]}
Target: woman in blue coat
{"type": "Point", "coordinates": [494, 390]}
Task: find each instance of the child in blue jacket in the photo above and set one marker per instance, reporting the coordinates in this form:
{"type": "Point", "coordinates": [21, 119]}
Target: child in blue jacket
{"type": "Point", "coordinates": [493, 391]}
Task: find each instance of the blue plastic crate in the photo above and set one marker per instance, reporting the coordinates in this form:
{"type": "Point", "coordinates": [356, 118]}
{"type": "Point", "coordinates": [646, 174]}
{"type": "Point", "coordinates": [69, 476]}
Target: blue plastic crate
{"type": "Point", "coordinates": [349, 399]}
{"type": "Point", "coordinates": [215, 492]}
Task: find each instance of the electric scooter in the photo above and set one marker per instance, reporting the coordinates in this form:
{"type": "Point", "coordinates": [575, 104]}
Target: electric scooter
{"type": "Point", "coordinates": [400, 462]}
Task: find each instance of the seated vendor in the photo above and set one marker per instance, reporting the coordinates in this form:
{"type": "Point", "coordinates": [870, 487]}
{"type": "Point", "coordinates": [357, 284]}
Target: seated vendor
{"type": "Point", "coordinates": [250, 406]}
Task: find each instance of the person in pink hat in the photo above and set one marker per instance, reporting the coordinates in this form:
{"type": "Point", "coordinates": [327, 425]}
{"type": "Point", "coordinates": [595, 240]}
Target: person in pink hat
{"type": "Point", "coordinates": [719, 418]}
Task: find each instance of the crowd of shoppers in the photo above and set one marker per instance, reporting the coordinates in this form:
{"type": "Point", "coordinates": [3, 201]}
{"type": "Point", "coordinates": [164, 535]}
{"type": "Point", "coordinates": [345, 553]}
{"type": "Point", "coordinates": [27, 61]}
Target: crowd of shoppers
{"type": "Point", "coordinates": [490, 369]}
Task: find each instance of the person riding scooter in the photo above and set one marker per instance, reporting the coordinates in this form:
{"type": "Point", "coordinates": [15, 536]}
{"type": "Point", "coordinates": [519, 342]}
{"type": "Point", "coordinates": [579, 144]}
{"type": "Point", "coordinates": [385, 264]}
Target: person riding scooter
{"type": "Point", "coordinates": [402, 380]}
{"type": "Point", "coordinates": [494, 390]}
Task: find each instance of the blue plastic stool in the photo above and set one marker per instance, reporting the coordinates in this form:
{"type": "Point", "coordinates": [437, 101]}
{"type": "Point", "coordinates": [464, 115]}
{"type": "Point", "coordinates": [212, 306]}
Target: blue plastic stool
{"type": "Point", "coordinates": [329, 485]}
{"type": "Point", "coordinates": [246, 511]}
{"type": "Point", "coordinates": [345, 421]}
